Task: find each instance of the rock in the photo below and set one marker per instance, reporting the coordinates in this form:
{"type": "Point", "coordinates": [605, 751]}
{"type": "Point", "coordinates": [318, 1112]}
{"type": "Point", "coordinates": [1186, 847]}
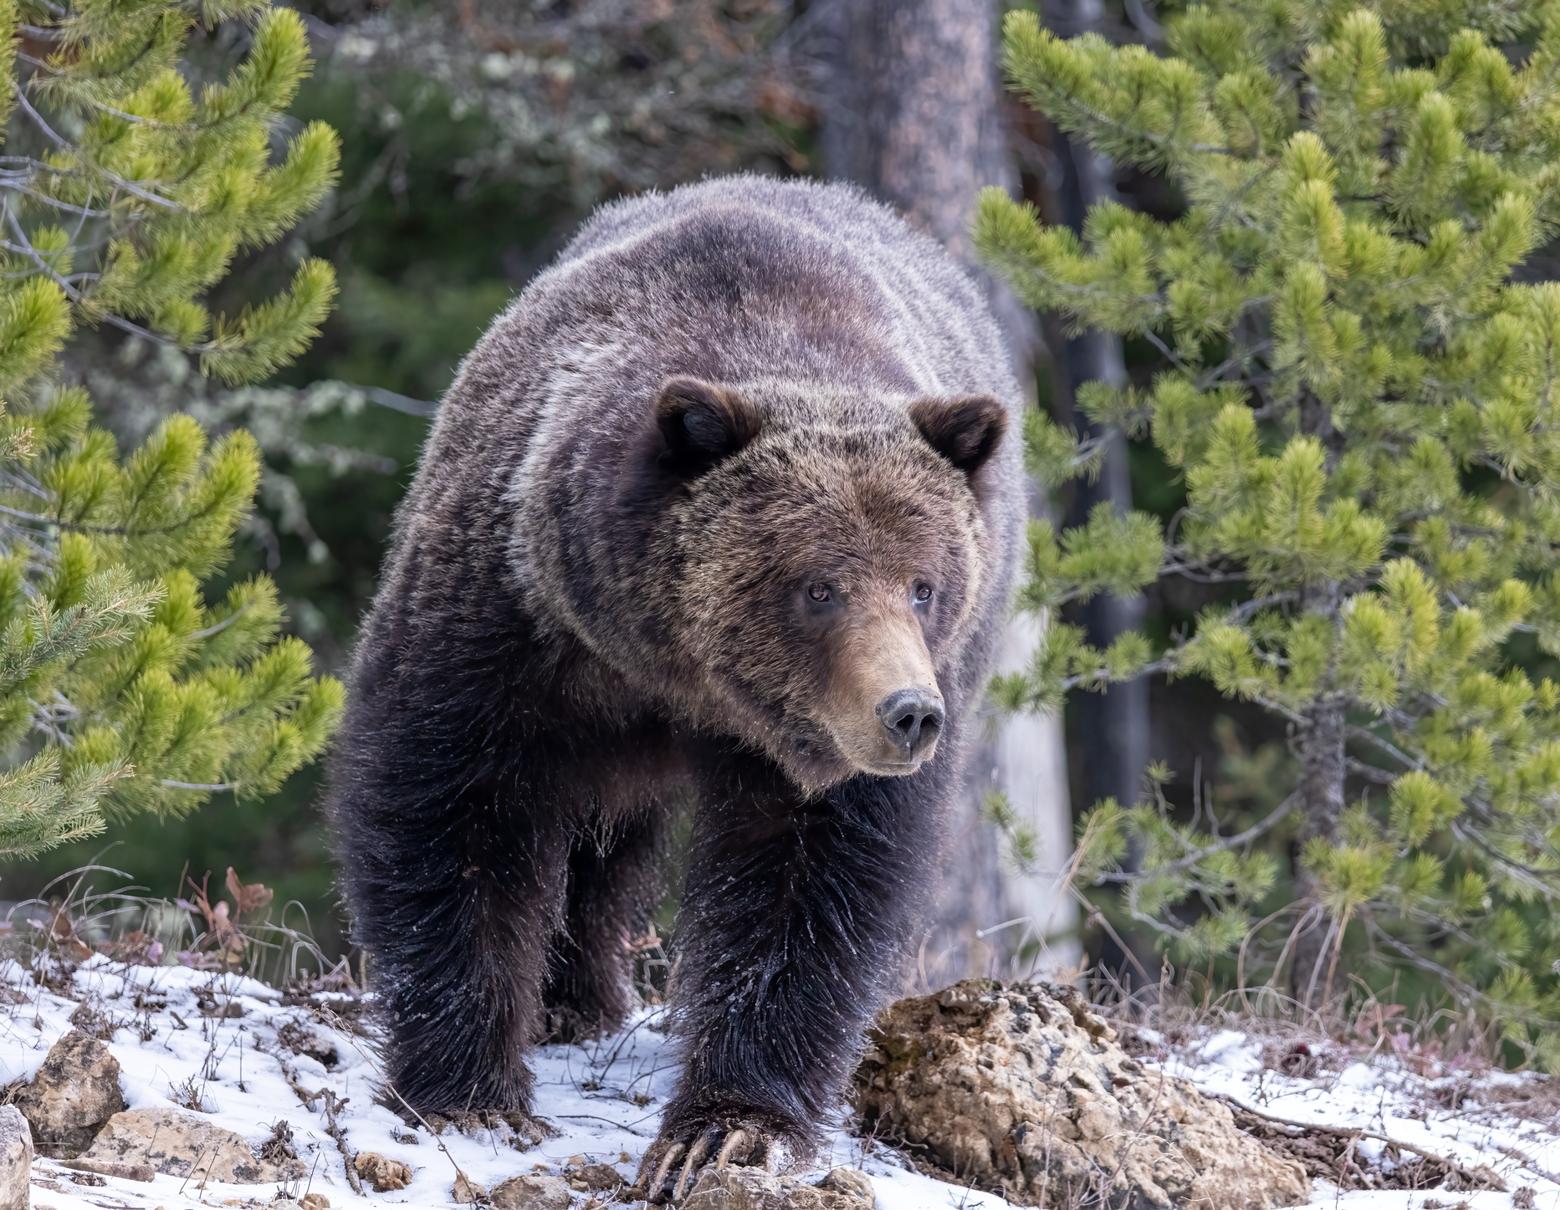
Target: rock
{"type": "Point", "coordinates": [738, 1188]}
{"type": "Point", "coordinates": [1023, 1090]}
{"type": "Point", "coordinates": [852, 1183]}
{"type": "Point", "coordinates": [176, 1143]}
{"type": "Point", "coordinates": [383, 1173]}
{"type": "Point", "coordinates": [128, 1172]}
{"type": "Point", "coordinates": [315, 1201]}
{"type": "Point", "coordinates": [74, 1093]}
{"type": "Point", "coordinates": [302, 1040]}
{"type": "Point", "coordinates": [531, 1193]}
{"type": "Point", "coordinates": [589, 1177]}
{"type": "Point", "coordinates": [16, 1153]}
{"type": "Point", "coordinates": [466, 1191]}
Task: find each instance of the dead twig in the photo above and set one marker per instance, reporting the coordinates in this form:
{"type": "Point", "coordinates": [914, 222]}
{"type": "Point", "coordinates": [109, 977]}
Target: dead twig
{"type": "Point", "coordinates": [1466, 1178]}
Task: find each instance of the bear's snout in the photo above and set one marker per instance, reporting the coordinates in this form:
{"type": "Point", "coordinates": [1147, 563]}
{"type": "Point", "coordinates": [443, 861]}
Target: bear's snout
{"type": "Point", "coordinates": [912, 719]}
{"type": "Point", "coordinates": [883, 708]}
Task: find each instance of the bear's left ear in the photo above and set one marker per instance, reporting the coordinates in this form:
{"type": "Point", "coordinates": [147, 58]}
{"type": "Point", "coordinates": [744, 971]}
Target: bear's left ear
{"type": "Point", "coordinates": [702, 423]}
{"type": "Point", "coordinates": [965, 429]}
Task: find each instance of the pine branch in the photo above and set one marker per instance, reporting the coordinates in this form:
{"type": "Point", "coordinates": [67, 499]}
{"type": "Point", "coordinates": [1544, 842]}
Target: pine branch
{"type": "Point", "coordinates": [131, 692]}
{"type": "Point", "coordinates": [1226, 844]}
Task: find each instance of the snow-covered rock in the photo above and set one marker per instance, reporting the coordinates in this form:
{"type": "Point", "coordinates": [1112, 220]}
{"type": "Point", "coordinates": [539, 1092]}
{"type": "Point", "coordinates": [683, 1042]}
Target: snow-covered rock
{"type": "Point", "coordinates": [75, 1092]}
{"type": "Point", "coordinates": [531, 1193]}
{"type": "Point", "coordinates": [175, 1142]}
{"type": "Point", "coordinates": [383, 1174]}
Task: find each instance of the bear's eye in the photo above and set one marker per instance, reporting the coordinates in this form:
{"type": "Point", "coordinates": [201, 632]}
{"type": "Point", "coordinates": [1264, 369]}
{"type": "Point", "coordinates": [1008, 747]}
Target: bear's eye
{"type": "Point", "coordinates": [923, 593]}
{"type": "Point", "coordinates": [820, 592]}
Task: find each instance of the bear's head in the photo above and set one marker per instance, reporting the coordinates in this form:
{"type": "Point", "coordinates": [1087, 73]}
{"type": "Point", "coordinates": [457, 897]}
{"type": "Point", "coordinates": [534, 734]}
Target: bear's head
{"type": "Point", "coordinates": [826, 555]}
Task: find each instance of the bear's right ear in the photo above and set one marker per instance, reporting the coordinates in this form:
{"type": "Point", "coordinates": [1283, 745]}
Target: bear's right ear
{"type": "Point", "coordinates": [965, 430]}
{"type": "Point", "coordinates": [702, 423]}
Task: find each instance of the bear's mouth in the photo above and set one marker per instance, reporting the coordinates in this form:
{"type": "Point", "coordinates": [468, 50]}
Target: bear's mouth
{"type": "Point", "coordinates": [815, 763]}
{"type": "Point", "coordinates": [869, 754]}
{"type": "Point", "coordinates": [898, 768]}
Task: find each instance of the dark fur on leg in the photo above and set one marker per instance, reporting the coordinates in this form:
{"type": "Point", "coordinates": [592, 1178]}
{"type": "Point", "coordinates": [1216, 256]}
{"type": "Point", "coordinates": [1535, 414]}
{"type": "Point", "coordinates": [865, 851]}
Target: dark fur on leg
{"type": "Point", "coordinates": [456, 906]}
{"type": "Point", "coordinates": [793, 929]}
{"type": "Point", "coordinates": [613, 886]}
{"type": "Point", "coordinates": [453, 855]}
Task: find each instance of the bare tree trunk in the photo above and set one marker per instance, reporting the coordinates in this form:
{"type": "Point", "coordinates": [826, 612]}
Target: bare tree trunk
{"type": "Point", "coordinates": [1321, 749]}
{"type": "Point", "coordinates": [1115, 722]}
{"type": "Point", "coordinates": [1321, 746]}
{"type": "Point", "coordinates": [912, 111]}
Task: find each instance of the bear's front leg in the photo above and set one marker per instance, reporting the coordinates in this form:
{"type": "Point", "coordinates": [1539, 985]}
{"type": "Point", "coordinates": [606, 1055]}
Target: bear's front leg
{"type": "Point", "coordinates": [792, 932]}
{"type": "Point", "coordinates": [454, 857]}
{"type": "Point", "coordinates": [461, 949]}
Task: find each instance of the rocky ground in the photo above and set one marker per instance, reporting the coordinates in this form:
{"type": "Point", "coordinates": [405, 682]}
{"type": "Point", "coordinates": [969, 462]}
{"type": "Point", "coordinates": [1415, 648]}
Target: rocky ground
{"type": "Point", "coordinates": [143, 1086]}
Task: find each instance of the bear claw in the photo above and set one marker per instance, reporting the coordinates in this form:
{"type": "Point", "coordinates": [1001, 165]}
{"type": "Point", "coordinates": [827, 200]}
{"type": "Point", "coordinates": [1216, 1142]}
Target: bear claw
{"type": "Point", "coordinates": [672, 1166]}
{"type": "Point", "coordinates": [527, 1129]}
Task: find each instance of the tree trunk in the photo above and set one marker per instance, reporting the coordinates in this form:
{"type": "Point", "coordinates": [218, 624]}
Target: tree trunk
{"type": "Point", "coordinates": [912, 111]}
{"type": "Point", "coordinates": [1322, 770]}
{"type": "Point", "coordinates": [1114, 725]}
{"type": "Point", "coordinates": [1321, 746]}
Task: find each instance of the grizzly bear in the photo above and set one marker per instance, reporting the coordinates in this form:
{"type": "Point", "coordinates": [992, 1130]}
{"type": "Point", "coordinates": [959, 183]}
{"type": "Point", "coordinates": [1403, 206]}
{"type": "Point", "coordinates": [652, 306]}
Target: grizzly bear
{"type": "Point", "coordinates": [721, 513]}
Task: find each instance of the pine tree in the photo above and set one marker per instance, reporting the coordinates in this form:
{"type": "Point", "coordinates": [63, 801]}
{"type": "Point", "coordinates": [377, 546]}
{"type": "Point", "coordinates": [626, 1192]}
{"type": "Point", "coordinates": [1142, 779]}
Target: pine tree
{"type": "Point", "coordinates": [1357, 391]}
{"type": "Point", "coordinates": [125, 195]}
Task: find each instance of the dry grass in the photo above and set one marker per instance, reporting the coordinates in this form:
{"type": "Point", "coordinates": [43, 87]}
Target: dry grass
{"type": "Point", "coordinates": [240, 932]}
{"type": "Point", "coordinates": [1299, 1039]}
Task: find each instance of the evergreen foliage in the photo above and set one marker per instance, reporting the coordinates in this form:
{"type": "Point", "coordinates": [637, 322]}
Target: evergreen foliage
{"type": "Point", "coordinates": [125, 194]}
{"type": "Point", "coordinates": [1357, 390]}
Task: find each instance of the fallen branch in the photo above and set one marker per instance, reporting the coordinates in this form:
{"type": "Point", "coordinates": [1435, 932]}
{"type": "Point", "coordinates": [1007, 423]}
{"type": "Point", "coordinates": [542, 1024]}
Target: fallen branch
{"type": "Point", "coordinates": [331, 1105]}
{"type": "Point", "coordinates": [1466, 1178]}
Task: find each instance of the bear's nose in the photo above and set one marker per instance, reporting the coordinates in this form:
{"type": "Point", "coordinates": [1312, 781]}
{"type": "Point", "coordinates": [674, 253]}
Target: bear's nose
{"type": "Point", "coordinates": [912, 718]}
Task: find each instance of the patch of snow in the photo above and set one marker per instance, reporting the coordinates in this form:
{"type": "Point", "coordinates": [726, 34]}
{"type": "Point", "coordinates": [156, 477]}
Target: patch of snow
{"type": "Point", "coordinates": [899, 1189]}
{"type": "Point", "coordinates": [1234, 1050]}
{"type": "Point", "coordinates": [1388, 1100]}
{"type": "Point", "coordinates": [176, 1041]}
{"type": "Point", "coordinates": [1397, 1199]}
{"type": "Point", "coordinates": [1359, 1076]}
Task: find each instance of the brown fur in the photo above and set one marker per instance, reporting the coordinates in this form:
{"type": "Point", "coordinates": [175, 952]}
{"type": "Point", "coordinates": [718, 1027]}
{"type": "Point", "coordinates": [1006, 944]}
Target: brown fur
{"type": "Point", "coordinates": [598, 605]}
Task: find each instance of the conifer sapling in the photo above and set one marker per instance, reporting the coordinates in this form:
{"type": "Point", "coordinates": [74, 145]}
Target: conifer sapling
{"type": "Point", "coordinates": [125, 194]}
{"type": "Point", "coordinates": [1357, 390]}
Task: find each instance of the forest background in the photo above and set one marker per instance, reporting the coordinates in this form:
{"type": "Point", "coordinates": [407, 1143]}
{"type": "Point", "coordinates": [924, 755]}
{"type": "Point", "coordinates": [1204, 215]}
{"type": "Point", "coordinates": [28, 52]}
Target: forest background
{"type": "Point", "coordinates": [474, 139]}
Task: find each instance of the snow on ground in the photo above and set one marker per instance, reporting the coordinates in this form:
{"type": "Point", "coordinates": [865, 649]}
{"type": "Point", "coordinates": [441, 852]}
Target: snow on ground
{"type": "Point", "coordinates": [1447, 1116]}
{"type": "Point", "coordinates": [177, 1035]}
{"type": "Point", "coordinates": [251, 1058]}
